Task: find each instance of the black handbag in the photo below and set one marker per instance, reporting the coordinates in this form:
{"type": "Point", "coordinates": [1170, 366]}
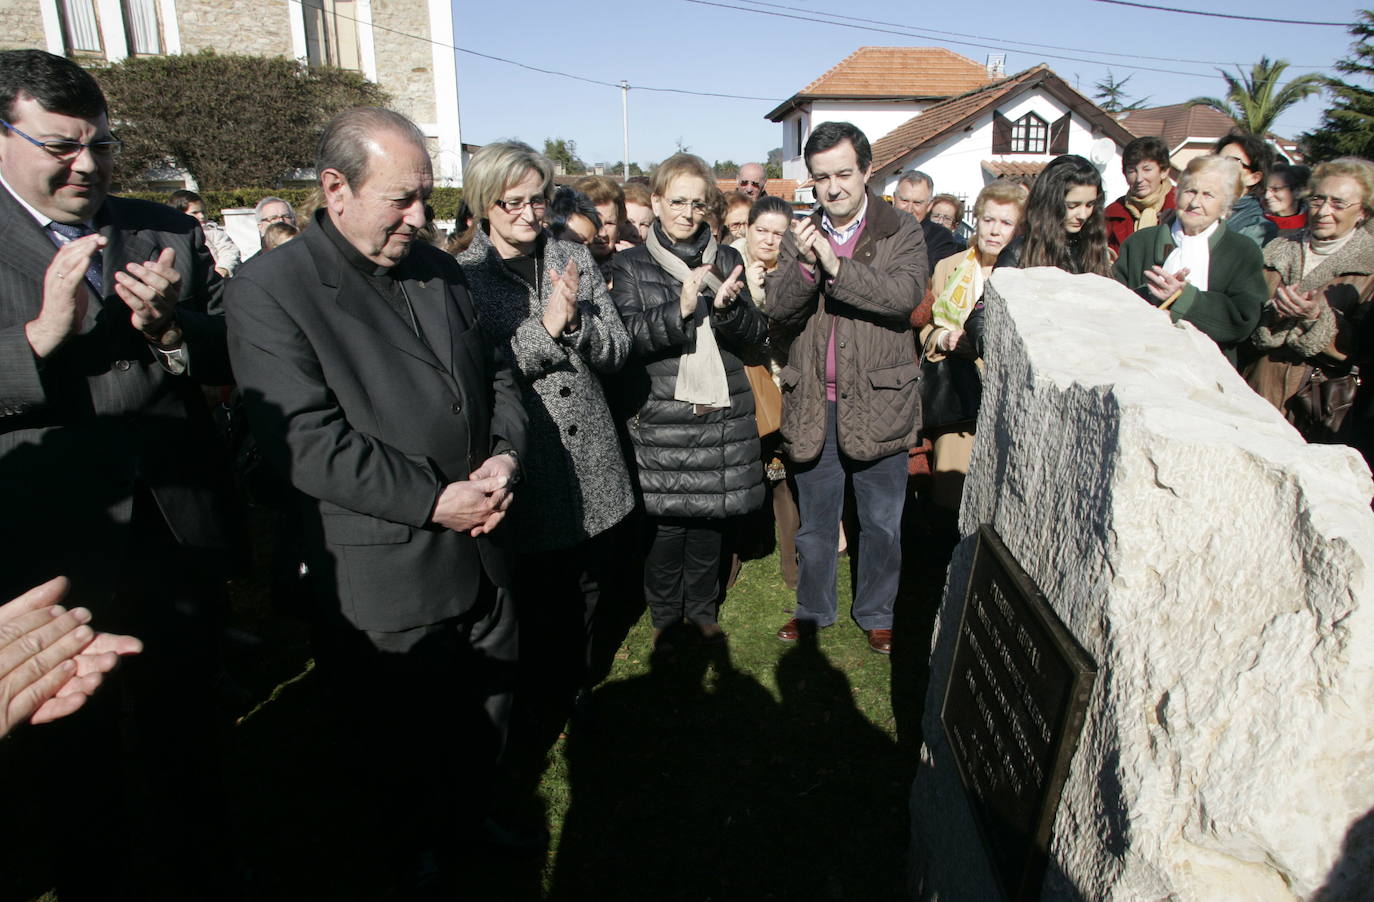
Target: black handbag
{"type": "Point", "coordinates": [1319, 407]}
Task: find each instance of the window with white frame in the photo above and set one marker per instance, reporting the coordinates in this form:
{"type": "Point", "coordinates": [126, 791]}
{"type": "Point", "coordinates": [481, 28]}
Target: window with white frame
{"type": "Point", "coordinates": [140, 24]}
{"type": "Point", "coordinates": [331, 33]}
{"type": "Point", "coordinates": [1030, 134]}
{"type": "Point", "coordinates": [80, 28]}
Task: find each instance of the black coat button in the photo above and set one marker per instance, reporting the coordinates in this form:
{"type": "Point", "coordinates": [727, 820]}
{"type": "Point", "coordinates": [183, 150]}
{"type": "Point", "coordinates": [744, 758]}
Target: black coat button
{"type": "Point", "coordinates": [564, 391]}
{"type": "Point", "coordinates": [572, 430]}
{"type": "Point", "coordinates": [456, 407]}
{"type": "Point", "coordinates": [123, 365]}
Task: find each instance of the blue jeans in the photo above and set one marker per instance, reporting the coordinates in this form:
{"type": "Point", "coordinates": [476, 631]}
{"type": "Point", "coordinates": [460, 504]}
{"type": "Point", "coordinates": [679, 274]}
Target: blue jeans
{"type": "Point", "coordinates": [880, 494]}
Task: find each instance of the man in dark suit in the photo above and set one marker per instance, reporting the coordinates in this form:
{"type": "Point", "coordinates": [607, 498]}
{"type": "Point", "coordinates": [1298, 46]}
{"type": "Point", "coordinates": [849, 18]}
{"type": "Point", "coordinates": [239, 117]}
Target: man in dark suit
{"type": "Point", "coordinates": [369, 385]}
{"type": "Point", "coordinates": [109, 324]}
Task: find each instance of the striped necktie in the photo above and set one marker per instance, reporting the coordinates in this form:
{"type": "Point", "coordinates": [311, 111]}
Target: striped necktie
{"type": "Point", "coordinates": [65, 234]}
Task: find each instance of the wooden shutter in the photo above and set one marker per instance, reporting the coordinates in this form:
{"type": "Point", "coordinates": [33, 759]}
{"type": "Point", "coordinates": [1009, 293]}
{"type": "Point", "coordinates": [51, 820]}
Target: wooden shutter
{"type": "Point", "coordinates": [1059, 135]}
{"type": "Point", "coordinates": [1001, 133]}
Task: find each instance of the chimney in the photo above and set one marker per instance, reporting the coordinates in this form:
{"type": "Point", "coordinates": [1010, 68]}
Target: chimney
{"type": "Point", "coordinates": [997, 65]}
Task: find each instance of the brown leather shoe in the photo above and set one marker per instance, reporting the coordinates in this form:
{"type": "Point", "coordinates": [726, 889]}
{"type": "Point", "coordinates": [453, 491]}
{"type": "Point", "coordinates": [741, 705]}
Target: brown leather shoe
{"type": "Point", "coordinates": [880, 641]}
{"type": "Point", "coordinates": [790, 631]}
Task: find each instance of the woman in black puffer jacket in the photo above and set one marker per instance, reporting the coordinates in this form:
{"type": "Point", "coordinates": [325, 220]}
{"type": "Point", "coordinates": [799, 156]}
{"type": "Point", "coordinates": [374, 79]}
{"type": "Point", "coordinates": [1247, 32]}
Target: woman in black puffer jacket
{"type": "Point", "coordinates": [689, 409]}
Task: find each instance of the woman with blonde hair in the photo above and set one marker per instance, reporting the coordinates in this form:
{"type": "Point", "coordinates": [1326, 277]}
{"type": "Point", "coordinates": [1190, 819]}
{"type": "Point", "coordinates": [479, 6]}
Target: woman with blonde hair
{"type": "Point", "coordinates": [1195, 267]}
{"type": "Point", "coordinates": [1320, 279]}
{"type": "Point", "coordinates": [687, 398]}
{"type": "Point", "coordinates": [951, 380]}
{"type": "Point", "coordinates": [543, 302]}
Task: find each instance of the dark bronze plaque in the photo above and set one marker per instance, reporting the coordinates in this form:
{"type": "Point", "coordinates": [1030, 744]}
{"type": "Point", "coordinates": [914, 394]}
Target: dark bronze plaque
{"type": "Point", "coordinates": [1018, 690]}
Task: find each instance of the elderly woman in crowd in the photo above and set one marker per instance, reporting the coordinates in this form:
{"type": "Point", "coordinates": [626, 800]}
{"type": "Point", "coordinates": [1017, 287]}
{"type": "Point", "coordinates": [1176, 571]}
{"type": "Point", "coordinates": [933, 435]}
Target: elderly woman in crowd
{"type": "Point", "coordinates": [948, 211]}
{"type": "Point", "coordinates": [951, 384]}
{"type": "Point", "coordinates": [1284, 194]}
{"type": "Point", "coordinates": [690, 408]}
{"type": "Point", "coordinates": [1196, 267]}
{"type": "Point", "coordinates": [1313, 332]}
{"type": "Point", "coordinates": [737, 206]}
{"type": "Point", "coordinates": [1256, 159]}
{"type": "Point", "coordinates": [1064, 225]}
{"type": "Point", "coordinates": [543, 302]}
{"type": "Point", "coordinates": [769, 219]}
{"type": "Point", "coordinates": [639, 216]}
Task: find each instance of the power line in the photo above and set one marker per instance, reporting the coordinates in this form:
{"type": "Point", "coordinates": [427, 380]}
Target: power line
{"type": "Point", "coordinates": [1009, 42]}
{"type": "Point", "coordinates": [542, 70]}
{"type": "Point", "coordinates": [912, 34]}
{"type": "Point", "coordinates": [1194, 12]}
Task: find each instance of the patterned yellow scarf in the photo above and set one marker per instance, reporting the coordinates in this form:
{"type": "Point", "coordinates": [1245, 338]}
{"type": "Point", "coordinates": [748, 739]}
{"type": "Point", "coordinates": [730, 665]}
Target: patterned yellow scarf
{"type": "Point", "coordinates": [957, 297]}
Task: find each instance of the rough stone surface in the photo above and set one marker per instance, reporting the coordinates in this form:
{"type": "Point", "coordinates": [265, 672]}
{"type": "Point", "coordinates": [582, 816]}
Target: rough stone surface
{"type": "Point", "coordinates": [1217, 569]}
{"type": "Point", "coordinates": [21, 26]}
{"type": "Point", "coordinates": [403, 62]}
{"type": "Point", "coordinates": [252, 27]}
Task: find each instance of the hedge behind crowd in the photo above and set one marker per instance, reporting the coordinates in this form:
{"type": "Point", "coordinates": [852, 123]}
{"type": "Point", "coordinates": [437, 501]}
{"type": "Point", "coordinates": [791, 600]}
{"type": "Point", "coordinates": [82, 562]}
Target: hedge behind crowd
{"type": "Point", "coordinates": [444, 200]}
{"type": "Point", "coordinates": [226, 119]}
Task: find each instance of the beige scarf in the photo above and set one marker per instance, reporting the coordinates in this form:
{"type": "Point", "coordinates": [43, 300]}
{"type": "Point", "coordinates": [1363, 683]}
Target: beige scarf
{"type": "Point", "coordinates": [1145, 210]}
{"type": "Point", "coordinates": [700, 370]}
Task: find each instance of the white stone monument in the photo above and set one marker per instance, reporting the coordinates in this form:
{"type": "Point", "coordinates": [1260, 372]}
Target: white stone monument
{"type": "Point", "coordinates": [1215, 566]}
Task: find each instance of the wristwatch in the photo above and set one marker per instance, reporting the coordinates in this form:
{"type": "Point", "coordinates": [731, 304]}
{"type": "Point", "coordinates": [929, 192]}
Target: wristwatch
{"type": "Point", "coordinates": [167, 336]}
{"type": "Point", "coordinates": [519, 475]}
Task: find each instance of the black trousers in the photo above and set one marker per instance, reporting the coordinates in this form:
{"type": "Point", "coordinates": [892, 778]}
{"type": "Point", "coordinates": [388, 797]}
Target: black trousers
{"type": "Point", "coordinates": [423, 714]}
{"type": "Point", "coordinates": [144, 751]}
{"type": "Point", "coordinates": [682, 572]}
{"type": "Point", "coordinates": [556, 595]}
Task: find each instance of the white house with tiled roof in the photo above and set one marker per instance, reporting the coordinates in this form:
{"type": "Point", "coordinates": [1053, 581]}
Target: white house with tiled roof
{"type": "Point", "coordinates": [877, 89]}
{"type": "Point", "coordinates": [995, 126]}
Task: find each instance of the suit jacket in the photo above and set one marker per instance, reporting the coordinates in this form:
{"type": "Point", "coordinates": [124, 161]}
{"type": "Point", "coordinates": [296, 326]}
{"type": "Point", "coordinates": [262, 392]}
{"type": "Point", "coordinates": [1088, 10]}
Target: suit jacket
{"type": "Point", "coordinates": [101, 416]}
{"type": "Point", "coordinates": [369, 421]}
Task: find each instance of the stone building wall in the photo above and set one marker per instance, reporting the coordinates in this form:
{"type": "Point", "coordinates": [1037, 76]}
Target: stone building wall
{"type": "Point", "coordinates": [405, 64]}
{"type": "Point", "coordinates": [253, 27]}
{"type": "Point", "coordinates": [21, 25]}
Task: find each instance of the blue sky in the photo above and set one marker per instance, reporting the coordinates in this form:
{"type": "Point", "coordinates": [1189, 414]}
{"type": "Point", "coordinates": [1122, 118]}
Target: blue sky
{"type": "Point", "coordinates": [772, 50]}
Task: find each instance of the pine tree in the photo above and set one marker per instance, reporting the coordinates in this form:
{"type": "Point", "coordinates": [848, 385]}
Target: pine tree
{"type": "Point", "coordinates": [1347, 128]}
{"type": "Point", "coordinates": [1111, 95]}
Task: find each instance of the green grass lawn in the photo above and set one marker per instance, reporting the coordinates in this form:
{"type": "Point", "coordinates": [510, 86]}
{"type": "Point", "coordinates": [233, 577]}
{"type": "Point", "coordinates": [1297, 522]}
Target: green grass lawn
{"type": "Point", "coordinates": [753, 770]}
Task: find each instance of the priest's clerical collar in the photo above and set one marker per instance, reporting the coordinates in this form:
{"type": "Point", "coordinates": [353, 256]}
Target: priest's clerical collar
{"type": "Point", "coordinates": [350, 253]}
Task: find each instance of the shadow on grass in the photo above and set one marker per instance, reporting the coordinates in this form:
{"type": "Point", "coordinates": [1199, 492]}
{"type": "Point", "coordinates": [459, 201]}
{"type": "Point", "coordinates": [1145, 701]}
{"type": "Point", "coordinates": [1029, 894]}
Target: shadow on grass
{"type": "Point", "coordinates": [692, 782]}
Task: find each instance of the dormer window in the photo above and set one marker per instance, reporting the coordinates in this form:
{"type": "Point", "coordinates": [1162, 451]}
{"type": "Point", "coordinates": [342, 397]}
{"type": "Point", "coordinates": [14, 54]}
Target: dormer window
{"type": "Point", "coordinates": [1030, 134]}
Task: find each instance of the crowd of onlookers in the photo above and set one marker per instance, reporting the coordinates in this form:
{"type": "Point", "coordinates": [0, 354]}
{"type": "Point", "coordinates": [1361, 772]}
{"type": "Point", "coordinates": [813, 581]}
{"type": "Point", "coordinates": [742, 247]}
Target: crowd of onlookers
{"type": "Point", "coordinates": [592, 392]}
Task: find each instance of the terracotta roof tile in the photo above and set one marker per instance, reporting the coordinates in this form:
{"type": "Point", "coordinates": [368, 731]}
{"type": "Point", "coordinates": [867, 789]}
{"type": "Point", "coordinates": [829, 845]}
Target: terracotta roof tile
{"type": "Point", "coordinates": [900, 71]}
{"type": "Point", "coordinates": [783, 188]}
{"type": "Point", "coordinates": [1177, 122]}
{"type": "Point", "coordinates": [999, 169]}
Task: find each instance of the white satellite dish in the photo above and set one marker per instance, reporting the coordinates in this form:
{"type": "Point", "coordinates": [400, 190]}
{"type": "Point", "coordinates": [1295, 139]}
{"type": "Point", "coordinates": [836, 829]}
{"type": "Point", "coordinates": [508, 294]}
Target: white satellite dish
{"type": "Point", "coordinates": [1101, 153]}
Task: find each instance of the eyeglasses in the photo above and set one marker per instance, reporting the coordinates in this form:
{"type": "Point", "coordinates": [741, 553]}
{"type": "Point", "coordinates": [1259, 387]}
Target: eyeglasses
{"type": "Point", "coordinates": [67, 149]}
{"type": "Point", "coordinates": [682, 204]}
{"type": "Point", "coordinates": [942, 218]}
{"type": "Point", "coordinates": [516, 207]}
{"type": "Point", "coordinates": [751, 184]}
{"type": "Point", "coordinates": [1316, 201]}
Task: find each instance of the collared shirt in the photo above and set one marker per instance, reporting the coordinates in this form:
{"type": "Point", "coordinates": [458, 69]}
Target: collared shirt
{"type": "Point", "coordinates": [843, 235]}
{"type": "Point", "coordinates": [44, 221]}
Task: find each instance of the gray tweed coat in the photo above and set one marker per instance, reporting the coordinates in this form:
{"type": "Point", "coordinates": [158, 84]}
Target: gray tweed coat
{"type": "Point", "coordinates": [576, 483]}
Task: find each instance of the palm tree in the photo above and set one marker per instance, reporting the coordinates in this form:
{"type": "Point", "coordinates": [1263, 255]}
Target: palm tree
{"type": "Point", "coordinates": [1256, 100]}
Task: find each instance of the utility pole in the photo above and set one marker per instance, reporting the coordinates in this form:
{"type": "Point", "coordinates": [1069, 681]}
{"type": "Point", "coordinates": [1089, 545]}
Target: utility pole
{"type": "Point", "coordinates": [625, 115]}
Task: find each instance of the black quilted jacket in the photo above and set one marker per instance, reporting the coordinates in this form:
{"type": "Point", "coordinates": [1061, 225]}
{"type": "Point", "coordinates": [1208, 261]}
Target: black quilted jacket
{"type": "Point", "coordinates": [687, 465]}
